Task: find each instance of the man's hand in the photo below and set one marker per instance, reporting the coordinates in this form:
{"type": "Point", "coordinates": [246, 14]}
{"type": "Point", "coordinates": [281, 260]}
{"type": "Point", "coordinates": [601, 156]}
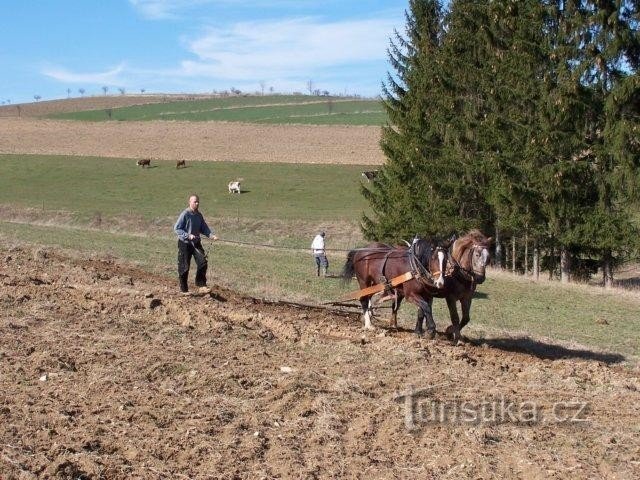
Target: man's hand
{"type": "Point", "coordinates": [213, 237]}
{"type": "Point", "coordinates": [192, 237]}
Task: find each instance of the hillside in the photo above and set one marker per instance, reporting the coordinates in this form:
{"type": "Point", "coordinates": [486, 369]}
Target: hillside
{"type": "Point", "coordinates": [81, 104]}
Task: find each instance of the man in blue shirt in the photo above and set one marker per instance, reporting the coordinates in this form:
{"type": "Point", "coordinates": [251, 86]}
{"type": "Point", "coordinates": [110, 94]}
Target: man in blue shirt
{"type": "Point", "coordinates": [189, 228]}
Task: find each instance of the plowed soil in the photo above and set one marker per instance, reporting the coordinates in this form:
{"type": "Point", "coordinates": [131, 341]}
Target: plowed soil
{"type": "Point", "coordinates": [193, 141]}
{"type": "Point", "coordinates": [105, 372]}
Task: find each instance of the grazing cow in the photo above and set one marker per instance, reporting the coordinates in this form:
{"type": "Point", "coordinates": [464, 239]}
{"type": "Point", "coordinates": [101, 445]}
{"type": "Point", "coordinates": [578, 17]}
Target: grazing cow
{"type": "Point", "coordinates": [144, 162]}
{"type": "Point", "coordinates": [181, 163]}
{"type": "Point", "coordinates": [370, 175]}
{"type": "Point", "coordinates": [234, 187]}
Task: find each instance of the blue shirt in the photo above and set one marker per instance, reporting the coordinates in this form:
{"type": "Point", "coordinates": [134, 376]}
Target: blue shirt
{"type": "Point", "coordinates": [190, 222]}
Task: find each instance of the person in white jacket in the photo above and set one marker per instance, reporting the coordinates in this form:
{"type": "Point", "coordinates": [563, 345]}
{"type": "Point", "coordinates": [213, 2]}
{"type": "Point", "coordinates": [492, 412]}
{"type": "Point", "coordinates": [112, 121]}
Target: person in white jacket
{"type": "Point", "coordinates": [318, 250]}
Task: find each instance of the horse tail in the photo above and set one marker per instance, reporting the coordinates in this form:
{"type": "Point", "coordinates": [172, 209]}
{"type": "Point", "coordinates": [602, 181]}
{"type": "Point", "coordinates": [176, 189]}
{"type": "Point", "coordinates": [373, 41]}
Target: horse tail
{"type": "Point", "coordinates": [348, 271]}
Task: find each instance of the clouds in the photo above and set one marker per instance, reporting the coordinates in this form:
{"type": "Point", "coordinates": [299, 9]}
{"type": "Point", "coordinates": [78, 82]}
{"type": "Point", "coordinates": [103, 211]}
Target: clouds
{"type": "Point", "coordinates": [294, 47]}
{"type": "Point", "coordinates": [168, 9]}
{"type": "Point", "coordinates": [164, 9]}
{"type": "Point", "coordinates": [109, 77]}
{"type": "Point", "coordinates": [284, 52]}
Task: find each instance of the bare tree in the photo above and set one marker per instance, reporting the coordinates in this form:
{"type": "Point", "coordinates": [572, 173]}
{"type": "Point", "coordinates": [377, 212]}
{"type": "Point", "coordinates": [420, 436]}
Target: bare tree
{"type": "Point", "coordinates": [68, 93]}
{"type": "Point", "coordinates": [270, 89]}
{"type": "Point", "coordinates": [81, 91]}
{"type": "Point", "coordinates": [105, 89]}
{"type": "Point", "coordinates": [37, 97]}
{"type": "Point", "coordinates": [121, 90]}
{"type": "Point", "coordinates": [142, 90]}
{"type": "Point", "coordinates": [262, 85]}
{"type": "Point", "coordinates": [310, 86]}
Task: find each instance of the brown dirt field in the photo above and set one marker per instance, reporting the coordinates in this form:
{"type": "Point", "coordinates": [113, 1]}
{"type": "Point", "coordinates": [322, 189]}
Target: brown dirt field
{"type": "Point", "coordinates": [194, 141]}
{"type": "Point", "coordinates": [106, 373]}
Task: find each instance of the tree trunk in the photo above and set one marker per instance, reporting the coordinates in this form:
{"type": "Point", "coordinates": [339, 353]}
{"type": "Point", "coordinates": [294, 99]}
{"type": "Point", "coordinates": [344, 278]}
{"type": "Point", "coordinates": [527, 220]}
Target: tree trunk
{"type": "Point", "coordinates": [526, 253]}
{"type": "Point", "coordinates": [506, 258]}
{"type": "Point", "coordinates": [498, 262]}
{"type": "Point", "coordinates": [513, 254]}
{"type": "Point", "coordinates": [536, 260]}
{"type": "Point", "coordinates": [565, 265]}
{"type": "Point", "coordinates": [552, 262]}
{"type": "Point", "coordinates": [607, 269]}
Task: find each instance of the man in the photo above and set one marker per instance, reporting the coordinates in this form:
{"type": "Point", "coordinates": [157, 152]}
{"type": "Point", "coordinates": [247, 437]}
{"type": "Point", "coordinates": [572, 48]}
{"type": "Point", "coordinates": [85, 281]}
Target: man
{"type": "Point", "coordinates": [317, 247]}
{"type": "Point", "coordinates": [189, 227]}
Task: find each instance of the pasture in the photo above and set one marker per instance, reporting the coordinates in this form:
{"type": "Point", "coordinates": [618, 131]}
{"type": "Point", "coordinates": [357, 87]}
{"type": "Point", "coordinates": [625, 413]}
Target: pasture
{"type": "Point", "coordinates": [274, 109]}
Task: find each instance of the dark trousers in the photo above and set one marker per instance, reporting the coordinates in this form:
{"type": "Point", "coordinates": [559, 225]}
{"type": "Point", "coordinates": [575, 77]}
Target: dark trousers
{"type": "Point", "coordinates": [185, 252]}
{"type": "Point", "coordinates": [321, 263]}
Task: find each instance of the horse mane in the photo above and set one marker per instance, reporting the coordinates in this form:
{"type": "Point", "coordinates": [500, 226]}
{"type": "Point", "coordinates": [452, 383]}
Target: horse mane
{"type": "Point", "coordinates": [423, 249]}
{"type": "Point", "coordinates": [473, 237]}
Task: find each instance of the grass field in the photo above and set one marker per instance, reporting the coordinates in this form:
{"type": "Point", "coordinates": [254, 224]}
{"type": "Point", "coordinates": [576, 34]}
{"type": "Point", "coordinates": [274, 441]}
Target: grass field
{"type": "Point", "coordinates": [115, 187]}
{"type": "Point", "coordinates": [110, 206]}
{"type": "Point", "coordinates": [255, 109]}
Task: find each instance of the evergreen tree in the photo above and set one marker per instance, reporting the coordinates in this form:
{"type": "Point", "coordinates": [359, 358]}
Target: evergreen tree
{"type": "Point", "coordinates": [608, 68]}
{"type": "Point", "coordinates": [402, 196]}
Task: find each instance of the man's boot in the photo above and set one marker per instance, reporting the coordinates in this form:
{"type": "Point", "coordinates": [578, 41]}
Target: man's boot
{"type": "Point", "coordinates": [318, 271]}
{"type": "Point", "coordinates": [183, 282]}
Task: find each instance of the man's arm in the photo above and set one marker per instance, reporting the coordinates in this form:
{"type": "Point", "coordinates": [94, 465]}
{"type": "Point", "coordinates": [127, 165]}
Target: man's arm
{"type": "Point", "coordinates": [179, 228]}
{"type": "Point", "coordinates": [204, 228]}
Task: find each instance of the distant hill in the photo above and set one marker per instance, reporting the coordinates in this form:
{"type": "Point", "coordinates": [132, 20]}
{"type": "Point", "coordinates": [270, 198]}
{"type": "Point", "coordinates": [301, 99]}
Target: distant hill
{"type": "Point", "coordinates": [67, 105]}
{"type": "Point", "coordinates": [269, 109]}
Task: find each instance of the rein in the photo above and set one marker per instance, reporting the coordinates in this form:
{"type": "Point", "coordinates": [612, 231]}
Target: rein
{"type": "Point", "coordinates": [419, 270]}
{"type": "Point", "coordinates": [468, 274]}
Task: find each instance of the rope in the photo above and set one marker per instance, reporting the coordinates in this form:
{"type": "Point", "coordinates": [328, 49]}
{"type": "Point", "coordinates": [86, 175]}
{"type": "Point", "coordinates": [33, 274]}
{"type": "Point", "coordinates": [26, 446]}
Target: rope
{"type": "Point", "coordinates": [300, 249]}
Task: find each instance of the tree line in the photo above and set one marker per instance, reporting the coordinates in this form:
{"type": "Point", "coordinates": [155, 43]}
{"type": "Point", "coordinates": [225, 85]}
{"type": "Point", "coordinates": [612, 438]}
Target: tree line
{"type": "Point", "coordinates": [520, 118]}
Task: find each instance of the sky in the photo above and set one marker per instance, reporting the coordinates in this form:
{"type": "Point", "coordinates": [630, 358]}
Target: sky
{"type": "Point", "coordinates": [48, 47]}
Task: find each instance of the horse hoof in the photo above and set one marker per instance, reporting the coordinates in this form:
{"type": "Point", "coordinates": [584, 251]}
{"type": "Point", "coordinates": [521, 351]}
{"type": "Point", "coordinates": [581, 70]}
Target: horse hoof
{"type": "Point", "coordinates": [419, 333]}
{"type": "Point", "coordinates": [431, 334]}
{"type": "Point", "coordinates": [452, 333]}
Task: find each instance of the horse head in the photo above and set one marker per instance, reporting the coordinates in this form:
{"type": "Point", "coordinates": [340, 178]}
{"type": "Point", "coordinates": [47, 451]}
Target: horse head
{"type": "Point", "coordinates": [472, 254]}
{"type": "Point", "coordinates": [433, 256]}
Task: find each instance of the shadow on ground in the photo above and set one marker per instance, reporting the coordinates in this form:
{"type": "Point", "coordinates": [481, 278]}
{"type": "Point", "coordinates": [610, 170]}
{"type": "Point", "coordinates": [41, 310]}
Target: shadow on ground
{"type": "Point", "coordinates": [548, 351]}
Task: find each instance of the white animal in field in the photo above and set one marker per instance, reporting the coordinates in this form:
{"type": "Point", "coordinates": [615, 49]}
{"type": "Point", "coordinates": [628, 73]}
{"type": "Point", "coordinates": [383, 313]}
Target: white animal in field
{"type": "Point", "coordinates": [234, 187]}
{"type": "Point", "coordinates": [370, 175]}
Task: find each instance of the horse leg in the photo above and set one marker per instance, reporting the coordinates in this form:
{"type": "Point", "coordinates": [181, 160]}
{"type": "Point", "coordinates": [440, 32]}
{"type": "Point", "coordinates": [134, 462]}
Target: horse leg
{"type": "Point", "coordinates": [466, 309]}
{"type": "Point", "coordinates": [425, 311]}
{"type": "Point", "coordinates": [453, 331]}
{"type": "Point", "coordinates": [418, 330]}
{"type": "Point", "coordinates": [366, 312]}
{"type": "Point", "coordinates": [393, 321]}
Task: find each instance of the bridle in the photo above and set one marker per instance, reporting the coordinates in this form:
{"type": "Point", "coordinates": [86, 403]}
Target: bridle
{"type": "Point", "coordinates": [421, 272]}
{"type": "Point", "coordinates": [470, 275]}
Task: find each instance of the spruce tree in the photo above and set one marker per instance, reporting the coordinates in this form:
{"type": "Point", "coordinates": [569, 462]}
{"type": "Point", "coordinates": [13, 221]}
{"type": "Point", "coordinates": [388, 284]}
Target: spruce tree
{"type": "Point", "coordinates": [402, 196]}
{"type": "Point", "coordinates": [608, 68]}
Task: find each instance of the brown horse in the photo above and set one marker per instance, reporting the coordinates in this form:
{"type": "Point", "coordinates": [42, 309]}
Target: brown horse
{"type": "Point", "coordinates": [469, 257]}
{"type": "Point", "coordinates": [379, 263]}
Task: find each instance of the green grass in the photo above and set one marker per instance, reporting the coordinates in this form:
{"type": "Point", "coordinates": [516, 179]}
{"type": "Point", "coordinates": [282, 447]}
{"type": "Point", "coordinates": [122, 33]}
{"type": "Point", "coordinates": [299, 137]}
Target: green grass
{"type": "Point", "coordinates": [251, 109]}
{"type": "Point", "coordinates": [284, 206]}
{"type": "Point", "coordinates": [117, 187]}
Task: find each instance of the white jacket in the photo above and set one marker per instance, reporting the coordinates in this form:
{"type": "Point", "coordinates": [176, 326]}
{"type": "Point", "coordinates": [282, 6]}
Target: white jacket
{"type": "Point", "coordinates": [318, 244]}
